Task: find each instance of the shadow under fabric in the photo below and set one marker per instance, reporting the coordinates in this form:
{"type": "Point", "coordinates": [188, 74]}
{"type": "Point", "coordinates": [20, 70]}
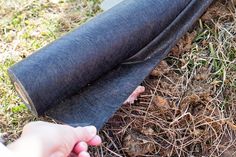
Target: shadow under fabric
{"type": "Point", "coordinates": [85, 76]}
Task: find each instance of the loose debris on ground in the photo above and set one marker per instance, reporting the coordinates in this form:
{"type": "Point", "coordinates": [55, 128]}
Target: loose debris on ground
{"type": "Point", "coordinates": [188, 108]}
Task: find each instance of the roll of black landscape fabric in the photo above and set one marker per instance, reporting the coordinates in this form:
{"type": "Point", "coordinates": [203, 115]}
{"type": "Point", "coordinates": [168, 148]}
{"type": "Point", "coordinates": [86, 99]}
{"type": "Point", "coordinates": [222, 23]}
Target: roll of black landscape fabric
{"type": "Point", "coordinates": [79, 79]}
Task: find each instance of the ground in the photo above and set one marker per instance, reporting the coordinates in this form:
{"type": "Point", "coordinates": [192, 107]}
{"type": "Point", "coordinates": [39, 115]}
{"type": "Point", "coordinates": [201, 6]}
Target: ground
{"type": "Point", "coordinates": [188, 108]}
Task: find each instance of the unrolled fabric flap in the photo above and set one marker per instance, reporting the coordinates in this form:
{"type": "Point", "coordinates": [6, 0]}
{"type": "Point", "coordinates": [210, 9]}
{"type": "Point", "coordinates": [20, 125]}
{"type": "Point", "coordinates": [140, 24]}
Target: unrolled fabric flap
{"type": "Point", "coordinates": [96, 103]}
{"type": "Point", "coordinates": [79, 79]}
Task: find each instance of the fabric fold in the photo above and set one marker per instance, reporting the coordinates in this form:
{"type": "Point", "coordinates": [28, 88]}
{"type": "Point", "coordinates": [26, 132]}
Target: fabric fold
{"type": "Point", "coordinates": [80, 79]}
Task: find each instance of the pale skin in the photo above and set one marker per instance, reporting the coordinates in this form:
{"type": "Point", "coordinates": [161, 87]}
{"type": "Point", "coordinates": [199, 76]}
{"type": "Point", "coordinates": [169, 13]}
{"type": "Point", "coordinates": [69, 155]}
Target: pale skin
{"type": "Point", "coordinates": [43, 139]}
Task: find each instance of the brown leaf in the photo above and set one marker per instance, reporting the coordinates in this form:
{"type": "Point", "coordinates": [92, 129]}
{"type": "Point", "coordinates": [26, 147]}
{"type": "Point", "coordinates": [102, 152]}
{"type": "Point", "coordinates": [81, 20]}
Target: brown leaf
{"type": "Point", "coordinates": [161, 102]}
{"type": "Point", "coordinates": [202, 74]}
{"type": "Point", "coordinates": [184, 45]}
{"type": "Point", "coordinates": [137, 144]}
{"type": "Point", "coordinates": [161, 69]}
{"type": "Point", "coordinates": [148, 131]}
{"type": "Point", "coordinates": [231, 125]}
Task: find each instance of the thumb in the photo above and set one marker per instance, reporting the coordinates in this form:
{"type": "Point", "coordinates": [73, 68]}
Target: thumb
{"type": "Point", "coordinates": [85, 134]}
{"type": "Point", "coordinates": [79, 134]}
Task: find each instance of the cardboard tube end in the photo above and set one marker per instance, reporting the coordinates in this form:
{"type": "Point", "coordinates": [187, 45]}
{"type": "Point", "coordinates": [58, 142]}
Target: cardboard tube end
{"type": "Point", "coordinates": [22, 92]}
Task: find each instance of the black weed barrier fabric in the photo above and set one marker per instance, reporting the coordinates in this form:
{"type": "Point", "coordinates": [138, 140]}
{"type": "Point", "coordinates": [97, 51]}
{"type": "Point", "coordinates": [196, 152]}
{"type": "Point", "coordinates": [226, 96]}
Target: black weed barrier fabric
{"type": "Point", "coordinates": [85, 76]}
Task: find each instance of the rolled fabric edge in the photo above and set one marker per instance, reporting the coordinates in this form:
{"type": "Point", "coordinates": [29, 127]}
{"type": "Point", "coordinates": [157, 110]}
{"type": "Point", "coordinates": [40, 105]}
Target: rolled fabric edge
{"type": "Point", "coordinates": [39, 103]}
{"type": "Point", "coordinates": [22, 92]}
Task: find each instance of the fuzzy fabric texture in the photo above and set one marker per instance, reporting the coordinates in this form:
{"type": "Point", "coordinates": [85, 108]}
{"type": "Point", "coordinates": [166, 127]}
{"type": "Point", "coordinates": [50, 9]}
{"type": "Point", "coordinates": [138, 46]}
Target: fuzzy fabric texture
{"type": "Point", "coordinates": [81, 79]}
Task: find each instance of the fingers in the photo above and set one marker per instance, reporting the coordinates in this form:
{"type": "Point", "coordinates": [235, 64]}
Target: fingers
{"type": "Point", "coordinates": [80, 147]}
{"type": "Point", "coordinates": [134, 96]}
{"type": "Point", "coordinates": [86, 136]}
{"type": "Point", "coordinates": [84, 154]}
{"type": "Point", "coordinates": [55, 141]}
{"type": "Point", "coordinates": [85, 133]}
{"type": "Point", "coordinates": [95, 141]}
{"type": "Point", "coordinates": [83, 146]}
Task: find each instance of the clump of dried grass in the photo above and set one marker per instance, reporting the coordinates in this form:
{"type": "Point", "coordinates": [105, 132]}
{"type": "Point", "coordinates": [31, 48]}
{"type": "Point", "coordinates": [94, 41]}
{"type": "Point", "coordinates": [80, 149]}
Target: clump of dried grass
{"type": "Point", "coordinates": [189, 105]}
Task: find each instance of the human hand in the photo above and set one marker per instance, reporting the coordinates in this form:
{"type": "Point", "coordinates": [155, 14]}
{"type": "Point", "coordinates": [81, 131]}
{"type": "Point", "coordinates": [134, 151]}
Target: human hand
{"type": "Point", "coordinates": [134, 96]}
{"type": "Point", "coordinates": [42, 139]}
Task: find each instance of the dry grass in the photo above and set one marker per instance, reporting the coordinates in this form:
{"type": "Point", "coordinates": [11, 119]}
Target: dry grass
{"type": "Point", "coordinates": [25, 26]}
{"type": "Point", "coordinates": [189, 105]}
{"type": "Point", "coordinates": [188, 108]}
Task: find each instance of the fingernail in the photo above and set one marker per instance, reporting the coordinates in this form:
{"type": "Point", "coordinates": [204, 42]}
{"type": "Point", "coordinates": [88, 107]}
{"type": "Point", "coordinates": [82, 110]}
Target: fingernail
{"type": "Point", "coordinates": [81, 146]}
{"type": "Point", "coordinates": [99, 140]}
{"type": "Point", "coordinates": [95, 141]}
{"type": "Point", "coordinates": [84, 154]}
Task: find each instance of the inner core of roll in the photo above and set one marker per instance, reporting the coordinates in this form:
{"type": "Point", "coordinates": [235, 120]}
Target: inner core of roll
{"type": "Point", "coordinates": [21, 92]}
